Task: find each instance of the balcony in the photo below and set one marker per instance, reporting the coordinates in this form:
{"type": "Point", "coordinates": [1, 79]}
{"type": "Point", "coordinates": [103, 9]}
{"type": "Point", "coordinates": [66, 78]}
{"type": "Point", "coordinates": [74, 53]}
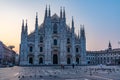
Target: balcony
{"type": "Point", "coordinates": [55, 47]}
{"type": "Point", "coordinates": [55, 35]}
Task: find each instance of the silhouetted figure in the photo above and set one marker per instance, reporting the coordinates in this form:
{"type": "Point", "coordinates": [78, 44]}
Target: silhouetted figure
{"type": "Point", "coordinates": [90, 72]}
{"type": "Point", "coordinates": [73, 66]}
{"type": "Point", "coordinates": [62, 66]}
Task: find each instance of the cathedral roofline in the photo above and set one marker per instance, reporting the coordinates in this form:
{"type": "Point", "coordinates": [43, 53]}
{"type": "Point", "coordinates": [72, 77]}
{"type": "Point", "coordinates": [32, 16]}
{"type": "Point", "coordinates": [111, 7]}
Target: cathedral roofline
{"type": "Point", "coordinates": [55, 16]}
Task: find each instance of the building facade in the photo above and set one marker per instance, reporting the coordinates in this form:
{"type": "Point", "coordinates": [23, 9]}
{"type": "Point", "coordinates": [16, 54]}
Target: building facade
{"type": "Point", "coordinates": [52, 42]}
{"type": "Point", "coordinates": [106, 57]}
{"type": "Point", "coordinates": [7, 56]}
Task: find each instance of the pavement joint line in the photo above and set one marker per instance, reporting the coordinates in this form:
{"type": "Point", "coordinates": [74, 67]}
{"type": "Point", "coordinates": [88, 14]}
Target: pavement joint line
{"type": "Point", "coordinates": [100, 77]}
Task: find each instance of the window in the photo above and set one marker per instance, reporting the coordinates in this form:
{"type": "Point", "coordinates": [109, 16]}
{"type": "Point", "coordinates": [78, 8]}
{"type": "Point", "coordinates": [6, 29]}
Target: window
{"type": "Point", "coordinates": [68, 60]}
{"type": "Point", "coordinates": [68, 49]}
{"type": "Point", "coordinates": [55, 28]}
{"type": "Point", "coordinates": [107, 59]}
{"type": "Point", "coordinates": [68, 40]}
{"type": "Point", "coordinates": [41, 49]}
{"type": "Point", "coordinates": [40, 60]}
{"type": "Point", "coordinates": [77, 60]}
{"type": "Point", "coordinates": [41, 39]}
{"type": "Point", "coordinates": [55, 42]}
{"type": "Point", "coordinates": [30, 48]}
{"type": "Point", "coordinates": [77, 50]}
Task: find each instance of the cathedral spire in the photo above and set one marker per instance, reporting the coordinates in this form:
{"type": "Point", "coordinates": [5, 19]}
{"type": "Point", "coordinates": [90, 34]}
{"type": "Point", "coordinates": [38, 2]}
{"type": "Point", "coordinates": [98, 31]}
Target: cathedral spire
{"type": "Point", "coordinates": [82, 31]}
{"type": "Point", "coordinates": [36, 36]}
{"type": "Point", "coordinates": [83, 45]}
{"type": "Point", "coordinates": [61, 12]}
{"type": "Point", "coordinates": [36, 14]}
{"type": "Point", "coordinates": [72, 25]}
{"type": "Point", "coordinates": [46, 12]}
{"type": "Point", "coordinates": [36, 21]}
{"type": "Point", "coordinates": [64, 13]}
{"type": "Point", "coordinates": [26, 27]}
{"type": "Point", "coordinates": [22, 32]}
{"type": "Point", "coordinates": [72, 22]}
{"type": "Point", "coordinates": [49, 11]}
{"type": "Point", "coordinates": [110, 46]}
{"type": "Point", "coordinates": [22, 25]}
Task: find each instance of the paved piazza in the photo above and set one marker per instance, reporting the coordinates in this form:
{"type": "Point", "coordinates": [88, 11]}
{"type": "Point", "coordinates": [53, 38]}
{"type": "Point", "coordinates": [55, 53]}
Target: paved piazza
{"type": "Point", "coordinates": [56, 73]}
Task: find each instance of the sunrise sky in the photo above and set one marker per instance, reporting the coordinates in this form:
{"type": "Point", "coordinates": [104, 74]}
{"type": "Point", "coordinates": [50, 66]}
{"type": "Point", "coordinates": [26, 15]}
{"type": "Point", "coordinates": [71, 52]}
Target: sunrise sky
{"type": "Point", "coordinates": [100, 17]}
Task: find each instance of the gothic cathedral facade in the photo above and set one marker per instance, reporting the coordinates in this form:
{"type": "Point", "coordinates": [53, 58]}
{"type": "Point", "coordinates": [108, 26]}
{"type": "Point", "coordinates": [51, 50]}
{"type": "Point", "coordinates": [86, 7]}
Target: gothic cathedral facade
{"type": "Point", "coordinates": [53, 42]}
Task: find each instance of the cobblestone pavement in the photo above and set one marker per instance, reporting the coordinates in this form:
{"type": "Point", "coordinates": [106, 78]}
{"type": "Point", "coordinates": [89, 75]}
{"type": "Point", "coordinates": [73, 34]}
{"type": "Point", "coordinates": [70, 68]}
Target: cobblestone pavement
{"type": "Point", "coordinates": [56, 73]}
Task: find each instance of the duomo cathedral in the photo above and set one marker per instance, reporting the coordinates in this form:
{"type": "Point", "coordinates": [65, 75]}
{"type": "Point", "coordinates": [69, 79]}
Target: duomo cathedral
{"type": "Point", "coordinates": [53, 42]}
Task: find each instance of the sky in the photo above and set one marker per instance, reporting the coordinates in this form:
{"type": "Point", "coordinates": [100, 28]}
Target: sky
{"type": "Point", "coordinates": [100, 17]}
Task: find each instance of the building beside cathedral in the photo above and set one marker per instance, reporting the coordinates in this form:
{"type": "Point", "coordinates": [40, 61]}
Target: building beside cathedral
{"type": "Point", "coordinates": [108, 56]}
{"type": "Point", "coordinates": [7, 55]}
{"type": "Point", "coordinates": [52, 42]}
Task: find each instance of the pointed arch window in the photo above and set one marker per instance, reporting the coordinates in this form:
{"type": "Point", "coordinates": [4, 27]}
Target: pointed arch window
{"type": "Point", "coordinates": [31, 49]}
{"type": "Point", "coordinates": [68, 40]}
{"type": "Point", "coordinates": [77, 50]}
{"type": "Point", "coordinates": [41, 49]}
{"type": "Point", "coordinates": [68, 49]}
{"type": "Point", "coordinates": [55, 41]}
{"type": "Point", "coordinates": [41, 39]}
{"type": "Point", "coordinates": [77, 60]}
{"type": "Point", "coordinates": [68, 60]}
{"type": "Point", "coordinates": [55, 29]}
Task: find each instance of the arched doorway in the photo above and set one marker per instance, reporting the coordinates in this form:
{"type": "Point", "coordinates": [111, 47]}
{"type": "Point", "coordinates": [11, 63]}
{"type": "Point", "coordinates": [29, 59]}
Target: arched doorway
{"type": "Point", "coordinates": [68, 60]}
{"type": "Point", "coordinates": [55, 59]}
{"type": "Point", "coordinates": [40, 60]}
{"type": "Point", "coordinates": [88, 62]}
{"type": "Point", "coordinates": [30, 60]}
{"type": "Point", "coordinates": [119, 62]}
{"type": "Point", "coordinates": [77, 60]}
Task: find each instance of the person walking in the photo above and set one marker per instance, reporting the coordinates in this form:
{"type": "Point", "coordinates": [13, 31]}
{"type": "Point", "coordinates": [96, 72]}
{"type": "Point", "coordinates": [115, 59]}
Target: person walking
{"type": "Point", "coordinates": [73, 66]}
